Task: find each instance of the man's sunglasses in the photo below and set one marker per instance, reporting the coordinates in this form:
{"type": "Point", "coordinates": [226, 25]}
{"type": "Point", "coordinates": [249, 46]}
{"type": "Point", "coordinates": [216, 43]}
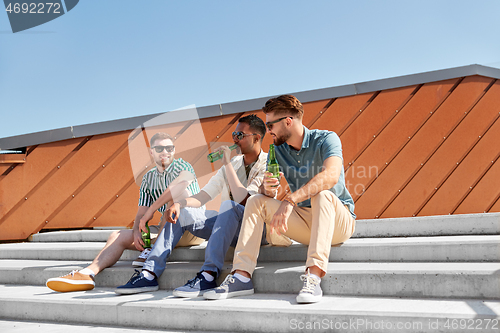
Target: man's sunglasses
{"type": "Point", "coordinates": [159, 149]}
{"type": "Point", "coordinates": [240, 135]}
{"type": "Point", "coordinates": [270, 124]}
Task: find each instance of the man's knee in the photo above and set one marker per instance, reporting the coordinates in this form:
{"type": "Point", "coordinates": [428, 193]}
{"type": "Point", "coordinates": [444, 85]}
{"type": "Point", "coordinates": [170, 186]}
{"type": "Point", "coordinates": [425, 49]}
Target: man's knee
{"type": "Point", "coordinates": [124, 237]}
{"type": "Point", "coordinates": [322, 197]}
{"type": "Point", "coordinates": [226, 206]}
{"type": "Point", "coordinates": [256, 200]}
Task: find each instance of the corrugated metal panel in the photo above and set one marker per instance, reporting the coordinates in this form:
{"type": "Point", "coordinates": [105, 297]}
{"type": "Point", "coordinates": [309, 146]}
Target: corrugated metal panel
{"type": "Point", "coordinates": [393, 138]}
{"type": "Point", "coordinates": [24, 196]}
{"type": "Point", "coordinates": [443, 161]}
{"type": "Point", "coordinates": [413, 150]}
{"type": "Point", "coordinates": [484, 194]}
{"type": "Point", "coordinates": [467, 174]}
{"type": "Point", "coordinates": [393, 180]}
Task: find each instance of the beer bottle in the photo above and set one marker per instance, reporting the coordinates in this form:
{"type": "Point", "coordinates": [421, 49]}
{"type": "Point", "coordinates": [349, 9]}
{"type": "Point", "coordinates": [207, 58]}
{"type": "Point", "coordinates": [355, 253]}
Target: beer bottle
{"type": "Point", "coordinates": [212, 157]}
{"type": "Point", "coordinates": [272, 163]}
{"type": "Point", "coordinates": [146, 237]}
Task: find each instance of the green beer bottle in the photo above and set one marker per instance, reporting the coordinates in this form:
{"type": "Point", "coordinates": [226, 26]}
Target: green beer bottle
{"type": "Point", "coordinates": [146, 237]}
{"type": "Point", "coordinates": [272, 164]}
{"type": "Point", "coordinates": [212, 157]}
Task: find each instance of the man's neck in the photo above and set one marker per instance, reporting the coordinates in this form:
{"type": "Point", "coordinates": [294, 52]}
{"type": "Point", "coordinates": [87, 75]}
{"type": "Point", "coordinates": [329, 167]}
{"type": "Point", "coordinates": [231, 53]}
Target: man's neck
{"type": "Point", "coordinates": [251, 157]}
{"type": "Point", "coordinates": [297, 137]}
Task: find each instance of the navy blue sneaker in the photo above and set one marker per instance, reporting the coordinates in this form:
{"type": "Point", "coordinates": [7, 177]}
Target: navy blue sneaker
{"type": "Point", "coordinates": [195, 287]}
{"type": "Point", "coordinates": [137, 284]}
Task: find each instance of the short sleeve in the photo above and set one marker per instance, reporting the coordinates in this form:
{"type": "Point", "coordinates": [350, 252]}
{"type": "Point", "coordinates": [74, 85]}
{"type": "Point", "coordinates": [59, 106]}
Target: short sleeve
{"type": "Point", "coordinates": [145, 198]}
{"type": "Point", "coordinates": [331, 146]}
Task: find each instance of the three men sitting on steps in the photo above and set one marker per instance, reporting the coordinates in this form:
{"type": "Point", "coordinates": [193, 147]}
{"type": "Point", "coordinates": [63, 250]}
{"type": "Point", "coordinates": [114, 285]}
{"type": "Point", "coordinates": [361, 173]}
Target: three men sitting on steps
{"type": "Point", "coordinates": [318, 212]}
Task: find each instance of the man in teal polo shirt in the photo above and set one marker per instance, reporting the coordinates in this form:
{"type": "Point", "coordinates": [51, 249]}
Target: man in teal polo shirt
{"type": "Point", "coordinates": [319, 211]}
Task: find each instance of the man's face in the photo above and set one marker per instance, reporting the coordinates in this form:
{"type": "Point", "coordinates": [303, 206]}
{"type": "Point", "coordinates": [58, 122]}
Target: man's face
{"type": "Point", "coordinates": [248, 142]}
{"type": "Point", "coordinates": [165, 156]}
{"type": "Point", "coordinates": [278, 130]}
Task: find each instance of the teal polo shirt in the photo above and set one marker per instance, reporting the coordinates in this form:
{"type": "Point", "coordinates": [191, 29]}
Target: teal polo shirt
{"type": "Point", "coordinates": [300, 166]}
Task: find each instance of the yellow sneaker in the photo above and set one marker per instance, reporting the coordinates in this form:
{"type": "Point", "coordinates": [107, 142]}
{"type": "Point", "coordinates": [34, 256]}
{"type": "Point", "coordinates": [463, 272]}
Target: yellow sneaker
{"type": "Point", "coordinates": [74, 281]}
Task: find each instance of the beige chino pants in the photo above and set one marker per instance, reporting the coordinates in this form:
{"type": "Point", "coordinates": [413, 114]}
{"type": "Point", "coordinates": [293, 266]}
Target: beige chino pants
{"type": "Point", "coordinates": [326, 223]}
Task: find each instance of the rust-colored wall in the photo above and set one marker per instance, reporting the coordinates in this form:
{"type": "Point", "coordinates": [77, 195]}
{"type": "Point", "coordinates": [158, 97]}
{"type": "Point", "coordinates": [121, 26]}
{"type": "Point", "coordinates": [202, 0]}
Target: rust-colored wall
{"type": "Point", "coordinates": [430, 149]}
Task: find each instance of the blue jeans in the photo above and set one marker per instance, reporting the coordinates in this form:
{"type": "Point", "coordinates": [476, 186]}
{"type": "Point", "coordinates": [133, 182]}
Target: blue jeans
{"type": "Point", "coordinates": [220, 229]}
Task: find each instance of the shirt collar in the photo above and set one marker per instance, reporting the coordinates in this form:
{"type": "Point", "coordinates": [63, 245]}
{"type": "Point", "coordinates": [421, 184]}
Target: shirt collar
{"type": "Point", "coordinates": [168, 169]}
{"type": "Point", "coordinates": [305, 141]}
{"type": "Point", "coordinates": [307, 135]}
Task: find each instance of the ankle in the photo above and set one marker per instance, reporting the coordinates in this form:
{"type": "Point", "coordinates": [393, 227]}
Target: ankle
{"type": "Point", "coordinates": [242, 273]}
{"type": "Point", "coordinates": [150, 276]}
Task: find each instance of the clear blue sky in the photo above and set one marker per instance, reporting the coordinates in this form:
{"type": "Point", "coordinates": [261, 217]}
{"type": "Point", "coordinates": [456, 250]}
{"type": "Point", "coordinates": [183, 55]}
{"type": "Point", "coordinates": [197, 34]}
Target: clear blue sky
{"type": "Point", "coordinates": [111, 59]}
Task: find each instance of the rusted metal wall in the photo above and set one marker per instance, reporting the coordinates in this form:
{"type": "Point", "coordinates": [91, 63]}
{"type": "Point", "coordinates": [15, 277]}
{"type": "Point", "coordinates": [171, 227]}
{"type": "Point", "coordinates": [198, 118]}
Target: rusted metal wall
{"type": "Point", "coordinates": [428, 149]}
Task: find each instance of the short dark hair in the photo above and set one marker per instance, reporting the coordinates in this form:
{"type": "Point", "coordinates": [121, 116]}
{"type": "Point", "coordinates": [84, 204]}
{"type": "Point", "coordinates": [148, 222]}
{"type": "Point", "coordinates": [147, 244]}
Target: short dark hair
{"type": "Point", "coordinates": [159, 136]}
{"type": "Point", "coordinates": [284, 105]}
{"type": "Point", "coordinates": [255, 123]}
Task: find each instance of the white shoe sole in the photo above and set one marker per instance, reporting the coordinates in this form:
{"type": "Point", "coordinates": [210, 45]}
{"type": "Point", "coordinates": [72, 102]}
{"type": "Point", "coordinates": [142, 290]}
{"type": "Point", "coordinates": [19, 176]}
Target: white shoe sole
{"type": "Point", "coordinates": [308, 298]}
{"type": "Point", "coordinates": [188, 294]}
{"type": "Point", "coordinates": [137, 263]}
{"type": "Point", "coordinates": [130, 291]}
{"type": "Point", "coordinates": [214, 296]}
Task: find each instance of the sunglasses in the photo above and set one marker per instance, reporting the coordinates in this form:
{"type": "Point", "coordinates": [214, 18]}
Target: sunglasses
{"type": "Point", "coordinates": [159, 149]}
{"type": "Point", "coordinates": [270, 124]}
{"type": "Point", "coordinates": [240, 135]}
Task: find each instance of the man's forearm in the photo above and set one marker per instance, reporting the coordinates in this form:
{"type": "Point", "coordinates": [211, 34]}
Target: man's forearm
{"type": "Point", "coordinates": [140, 213]}
{"type": "Point", "coordinates": [194, 201]}
{"type": "Point", "coordinates": [322, 181]}
{"type": "Point", "coordinates": [239, 191]}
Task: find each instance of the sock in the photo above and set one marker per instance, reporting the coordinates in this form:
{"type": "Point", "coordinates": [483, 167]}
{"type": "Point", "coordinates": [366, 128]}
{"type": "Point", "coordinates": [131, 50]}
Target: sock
{"type": "Point", "coordinates": [314, 275]}
{"type": "Point", "coordinates": [207, 276]}
{"type": "Point", "coordinates": [148, 275]}
{"type": "Point", "coordinates": [242, 278]}
{"type": "Point", "coordinates": [87, 271]}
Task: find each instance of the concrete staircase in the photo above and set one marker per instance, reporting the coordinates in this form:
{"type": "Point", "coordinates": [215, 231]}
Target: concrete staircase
{"type": "Point", "coordinates": [423, 274]}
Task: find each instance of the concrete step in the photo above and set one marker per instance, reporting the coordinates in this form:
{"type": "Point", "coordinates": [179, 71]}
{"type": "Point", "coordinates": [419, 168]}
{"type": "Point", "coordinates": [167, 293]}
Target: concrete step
{"type": "Point", "coordinates": [413, 249]}
{"type": "Point", "coordinates": [254, 313]}
{"type": "Point", "coordinates": [445, 280]}
{"type": "Point", "coordinates": [23, 326]}
{"type": "Point", "coordinates": [446, 225]}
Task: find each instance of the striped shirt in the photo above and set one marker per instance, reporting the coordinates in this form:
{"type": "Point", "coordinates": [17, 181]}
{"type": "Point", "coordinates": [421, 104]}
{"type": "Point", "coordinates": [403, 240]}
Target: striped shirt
{"type": "Point", "coordinates": [155, 183]}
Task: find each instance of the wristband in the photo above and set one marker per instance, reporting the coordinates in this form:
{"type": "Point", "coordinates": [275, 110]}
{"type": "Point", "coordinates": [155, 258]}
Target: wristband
{"type": "Point", "coordinates": [288, 199]}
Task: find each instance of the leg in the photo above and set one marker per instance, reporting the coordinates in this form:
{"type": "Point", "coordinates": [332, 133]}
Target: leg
{"type": "Point", "coordinates": [117, 242]}
{"type": "Point", "coordinates": [326, 207]}
{"type": "Point", "coordinates": [224, 233]}
{"type": "Point", "coordinates": [259, 209]}
{"type": "Point", "coordinates": [190, 219]}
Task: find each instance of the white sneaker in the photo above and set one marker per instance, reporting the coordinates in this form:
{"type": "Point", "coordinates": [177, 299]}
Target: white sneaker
{"type": "Point", "coordinates": [139, 262]}
{"type": "Point", "coordinates": [311, 290]}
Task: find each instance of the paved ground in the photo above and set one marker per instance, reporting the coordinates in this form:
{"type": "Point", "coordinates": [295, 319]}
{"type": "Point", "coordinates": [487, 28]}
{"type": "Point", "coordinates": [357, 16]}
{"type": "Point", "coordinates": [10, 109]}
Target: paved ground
{"type": "Point", "coordinates": [12, 326]}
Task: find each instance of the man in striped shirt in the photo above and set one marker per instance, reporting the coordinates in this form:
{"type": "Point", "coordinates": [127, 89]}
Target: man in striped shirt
{"type": "Point", "coordinates": [172, 178]}
{"type": "Point", "coordinates": [235, 181]}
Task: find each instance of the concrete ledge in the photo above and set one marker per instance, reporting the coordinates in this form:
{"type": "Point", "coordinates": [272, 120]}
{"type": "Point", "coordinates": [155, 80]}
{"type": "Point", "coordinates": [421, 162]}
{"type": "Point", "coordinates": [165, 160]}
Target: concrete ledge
{"type": "Point", "coordinates": [428, 249]}
{"type": "Point", "coordinates": [255, 313]}
{"type": "Point", "coordinates": [446, 280]}
{"type": "Point", "coordinates": [445, 225]}
{"type": "Point", "coordinates": [72, 236]}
